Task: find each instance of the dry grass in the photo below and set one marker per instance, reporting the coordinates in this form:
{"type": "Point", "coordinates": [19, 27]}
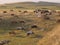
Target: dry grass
{"type": "Point", "coordinates": [20, 38]}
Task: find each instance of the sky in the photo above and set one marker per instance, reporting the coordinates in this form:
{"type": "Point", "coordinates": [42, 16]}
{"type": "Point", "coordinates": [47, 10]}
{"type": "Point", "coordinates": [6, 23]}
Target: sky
{"type": "Point", "coordinates": [13, 1]}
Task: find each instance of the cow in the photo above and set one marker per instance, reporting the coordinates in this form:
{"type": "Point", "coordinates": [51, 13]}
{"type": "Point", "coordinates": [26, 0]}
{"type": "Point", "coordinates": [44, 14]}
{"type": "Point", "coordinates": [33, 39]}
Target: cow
{"type": "Point", "coordinates": [11, 10]}
{"type": "Point", "coordinates": [22, 21]}
{"type": "Point", "coordinates": [46, 17]}
{"type": "Point", "coordinates": [4, 11]}
{"type": "Point", "coordinates": [19, 11]}
{"type": "Point", "coordinates": [20, 28]}
{"type": "Point", "coordinates": [3, 42]}
{"type": "Point", "coordinates": [34, 26]}
{"type": "Point", "coordinates": [30, 33]}
{"type": "Point", "coordinates": [13, 22]}
{"type": "Point", "coordinates": [12, 14]}
{"type": "Point", "coordinates": [58, 20]}
{"type": "Point", "coordinates": [36, 11]}
{"type": "Point", "coordinates": [12, 33]}
{"type": "Point", "coordinates": [44, 11]}
{"type": "Point", "coordinates": [25, 12]}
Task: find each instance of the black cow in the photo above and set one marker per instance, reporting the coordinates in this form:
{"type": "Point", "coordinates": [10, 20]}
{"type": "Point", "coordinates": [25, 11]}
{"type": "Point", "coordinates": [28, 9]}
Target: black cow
{"type": "Point", "coordinates": [34, 26]}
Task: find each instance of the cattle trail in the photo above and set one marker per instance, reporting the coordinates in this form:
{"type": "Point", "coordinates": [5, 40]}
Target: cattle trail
{"type": "Point", "coordinates": [52, 38]}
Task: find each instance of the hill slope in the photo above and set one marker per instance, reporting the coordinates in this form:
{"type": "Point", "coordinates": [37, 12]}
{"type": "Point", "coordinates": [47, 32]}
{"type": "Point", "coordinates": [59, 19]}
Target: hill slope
{"type": "Point", "coordinates": [52, 38]}
{"type": "Point", "coordinates": [38, 3]}
{"type": "Point", "coordinates": [31, 5]}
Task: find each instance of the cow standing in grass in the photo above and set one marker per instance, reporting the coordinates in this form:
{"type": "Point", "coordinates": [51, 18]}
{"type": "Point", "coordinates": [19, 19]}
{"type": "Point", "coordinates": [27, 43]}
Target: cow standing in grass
{"type": "Point", "coordinates": [4, 11]}
{"type": "Point", "coordinates": [12, 33]}
{"type": "Point", "coordinates": [13, 22]}
{"type": "Point", "coordinates": [3, 42]}
{"type": "Point", "coordinates": [34, 26]}
{"type": "Point", "coordinates": [30, 33]}
{"type": "Point", "coordinates": [12, 14]}
{"type": "Point", "coordinates": [37, 13]}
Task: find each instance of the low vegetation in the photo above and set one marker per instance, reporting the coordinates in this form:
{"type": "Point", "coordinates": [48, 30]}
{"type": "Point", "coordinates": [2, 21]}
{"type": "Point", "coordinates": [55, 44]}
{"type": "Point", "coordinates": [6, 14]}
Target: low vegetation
{"type": "Point", "coordinates": [16, 23]}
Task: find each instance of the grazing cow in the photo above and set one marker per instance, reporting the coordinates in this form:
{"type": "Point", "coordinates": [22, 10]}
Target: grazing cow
{"type": "Point", "coordinates": [22, 21]}
{"type": "Point", "coordinates": [46, 17]}
{"type": "Point", "coordinates": [3, 42]}
{"type": "Point", "coordinates": [41, 13]}
{"type": "Point", "coordinates": [54, 11]}
{"type": "Point", "coordinates": [58, 21]}
{"type": "Point", "coordinates": [11, 10]}
{"type": "Point", "coordinates": [39, 10]}
{"type": "Point", "coordinates": [58, 11]}
{"type": "Point", "coordinates": [12, 14]}
{"type": "Point", "coordinates": [13, 22]}
{"type": "Point", "coordinates": [25, 12]}
{"type": "Point", "coordinates": [36, 11]}
{"type": "Point", "coordinates": [12, 33]}
{"type": "Point", "coordinates": [20, 28]}
{"type": "Point", "coordinates": [4, 11]}
{"type": "Point", "coordinates": [50, 13]}
{"type": "Point", "coordinates": [19, 11]}
{"type": "Point", "coordinates": [30, 33]}
{"type": "Point", "coordinates": [34, 26]}
{"type": "Point", "coordinates": [0, 18]}
{"type": "Point", "coordinates": [44, 11]}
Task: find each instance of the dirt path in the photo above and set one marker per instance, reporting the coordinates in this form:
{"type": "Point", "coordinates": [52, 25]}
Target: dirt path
{"type": "Point", "coordinates": [52, 38]}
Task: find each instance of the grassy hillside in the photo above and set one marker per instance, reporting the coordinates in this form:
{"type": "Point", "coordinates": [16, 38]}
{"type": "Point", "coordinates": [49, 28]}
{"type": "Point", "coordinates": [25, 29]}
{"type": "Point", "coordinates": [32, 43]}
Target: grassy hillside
{"type": "Point", "coordinates": [32, 5]}
{"type": "Point", "coordinates": [30, 18]}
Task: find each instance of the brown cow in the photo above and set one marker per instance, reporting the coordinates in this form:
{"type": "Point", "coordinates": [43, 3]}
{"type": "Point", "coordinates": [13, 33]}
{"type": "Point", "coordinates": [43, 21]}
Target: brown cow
{"type": "Point", "coordinates": [19, 11]}
{"type": "Point", "coordinates": [25, 12]}
{"type": "Point", "coordinates": [13, 22]}
{"type": "Point", "coordinates": [12, 14]}
{"type": "Point", "coordinates": [4, 11]}
{"type": "Point", "coordinates": [58, 21]}
{"type": "Point", "coordinates": [12, 33]}
{"type": "Point", "coordinates": [11, 10]}
{"type": "Point", "coordinates": [22, 21]}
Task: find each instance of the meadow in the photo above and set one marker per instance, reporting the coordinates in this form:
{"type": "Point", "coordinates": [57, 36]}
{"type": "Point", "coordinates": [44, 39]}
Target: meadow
{"type": "Point", "coordinates": [17, 15]}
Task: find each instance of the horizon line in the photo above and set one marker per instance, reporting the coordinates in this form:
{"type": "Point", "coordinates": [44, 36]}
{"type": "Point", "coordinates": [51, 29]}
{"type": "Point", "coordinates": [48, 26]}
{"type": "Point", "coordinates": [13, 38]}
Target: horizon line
{"type": "Point", "coordinates": [27, 1]}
